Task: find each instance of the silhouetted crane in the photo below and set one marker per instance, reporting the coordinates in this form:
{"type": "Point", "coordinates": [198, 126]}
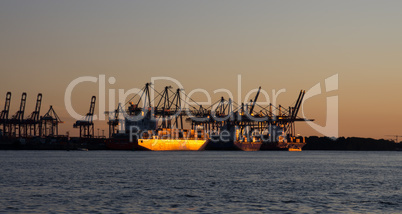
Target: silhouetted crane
{"type": "Point", "coordinates": [16, 121]}
{"type": "Point", "coordinates": [50, 123]}
{"type": "Point", "coordinates": [32, 122]}
{"type": "Point", "coordinates": [114, 123]}
{"type": "Point", "coordinates": [86, 125]}
{"type": "Point", "coordinates": [293, 111]}
{"type": "Point", "coordinates": [255, 100]}
{"type": "Point", "coordinates": [4, 115]}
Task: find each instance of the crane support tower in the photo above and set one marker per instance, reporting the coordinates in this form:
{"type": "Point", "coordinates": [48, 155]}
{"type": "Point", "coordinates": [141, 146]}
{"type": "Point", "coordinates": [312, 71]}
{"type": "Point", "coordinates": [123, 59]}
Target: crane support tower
{"type": "Point", "coordinates": [32, 123]}
{"type": "Point", "coordinates": [50, 123]}
{"type": "Point", "coordinates": [86, 125]}
{"type": "Point", "coordinates": [4, 116]}
{"type": "Point", "coordinates": [16, 123]}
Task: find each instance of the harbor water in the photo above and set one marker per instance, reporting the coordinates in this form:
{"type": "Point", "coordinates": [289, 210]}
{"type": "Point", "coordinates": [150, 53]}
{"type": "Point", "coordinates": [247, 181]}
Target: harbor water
{"type": "Point", "coordinates": [204, 181]}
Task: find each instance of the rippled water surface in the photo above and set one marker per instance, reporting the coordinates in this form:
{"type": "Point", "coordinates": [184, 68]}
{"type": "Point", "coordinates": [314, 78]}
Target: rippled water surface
{"type": "Point", "coordinates": [207, 181]}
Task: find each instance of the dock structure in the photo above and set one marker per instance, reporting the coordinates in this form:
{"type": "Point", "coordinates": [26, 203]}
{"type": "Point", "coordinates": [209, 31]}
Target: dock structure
{"type": "Point", "coordinates": [249, 125]}
{"type": "Point", "coordinates": [33, 126]}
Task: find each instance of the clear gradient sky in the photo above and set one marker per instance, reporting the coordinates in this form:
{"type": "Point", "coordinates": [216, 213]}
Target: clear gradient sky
{"type": "Point", "coordinates": [206, 44]}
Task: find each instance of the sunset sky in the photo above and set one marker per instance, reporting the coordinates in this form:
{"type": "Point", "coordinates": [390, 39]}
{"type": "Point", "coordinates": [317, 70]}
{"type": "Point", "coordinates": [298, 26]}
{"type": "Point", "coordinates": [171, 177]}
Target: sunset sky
{"type": "Point", "coordinates": [290, 45]}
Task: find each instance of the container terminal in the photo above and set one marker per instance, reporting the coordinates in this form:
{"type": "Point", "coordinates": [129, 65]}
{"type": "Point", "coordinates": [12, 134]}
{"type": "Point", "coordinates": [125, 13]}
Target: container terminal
{"type": "Point", "coordinates": [165, 123]}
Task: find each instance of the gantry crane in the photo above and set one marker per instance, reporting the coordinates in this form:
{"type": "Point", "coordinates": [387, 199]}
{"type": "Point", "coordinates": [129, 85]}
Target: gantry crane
{"type": "Point", "coordinates": [177, 110]}
{"type": "Point", "coordinates": [169, 109]}
{"type": "Point", "coordinates": [4, 116]}
{"type": "Point", "coordinates": [32, 123]}
{"type": "Point", "coordinates": [50, 123]}
{"type": "Point", "coordinates": [255, 100]}
{"type": "Point", "coordinates": [246, 119]}
{"type": "Point", "coordinates": [163, 108]}
{"type": "Point", "coordinates": [86, 125]}
{"type": "Point", "coordinates": [293, 111]}
{"type": "Point", "coordinates": [16, 122]}
{"type": "Point", "coordinates": [114, 123]}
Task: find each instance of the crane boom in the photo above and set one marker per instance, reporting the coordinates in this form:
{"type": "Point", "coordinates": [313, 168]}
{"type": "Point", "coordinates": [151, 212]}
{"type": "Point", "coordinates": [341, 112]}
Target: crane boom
{"type": "Point", "coordinates": [34, 116]}
{"type": "Point", "coordinates": [92, 106]}
{"type": "Point", "coordinates": [38, 105]}
{"type": "Point", "coordinates": [4, 113]}
{"type": "Point", "coordinates": [19, 115]}
{"type": "Point", "coordinates": [255, 100]}
{"type": "Point", "coordinates": [298, 103]}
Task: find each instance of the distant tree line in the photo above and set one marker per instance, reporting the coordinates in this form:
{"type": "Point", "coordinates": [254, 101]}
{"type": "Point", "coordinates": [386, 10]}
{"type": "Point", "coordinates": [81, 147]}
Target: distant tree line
{"type": "Point", "coordinates": [350, 143]}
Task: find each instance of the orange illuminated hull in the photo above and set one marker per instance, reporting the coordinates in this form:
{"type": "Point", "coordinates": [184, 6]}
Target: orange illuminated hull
{"type": "Point", "coordinates": [295, 147]}
{"type": "Point", "coordinates": [172, 144]}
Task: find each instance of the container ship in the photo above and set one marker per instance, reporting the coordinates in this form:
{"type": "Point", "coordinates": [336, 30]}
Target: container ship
{"type": "Point", "coordinates": [154, 128]}
{"type": "Point", "coordinates": [278, 140]}
{"type": "Point", "coordinates": [284, 145]}
{"type": "Point", "coordinates": [230, 138]}
{"type": "Point", "coordinates": [145, 136]}
{"type": "Point", "coordinates": [165, 140]}
{"type": "Point", "coordinates": [173, 139]}
{"type": "Point", "coordinates": [233, 145]}
{"type": "Point", "coordinates": [270, 128]}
